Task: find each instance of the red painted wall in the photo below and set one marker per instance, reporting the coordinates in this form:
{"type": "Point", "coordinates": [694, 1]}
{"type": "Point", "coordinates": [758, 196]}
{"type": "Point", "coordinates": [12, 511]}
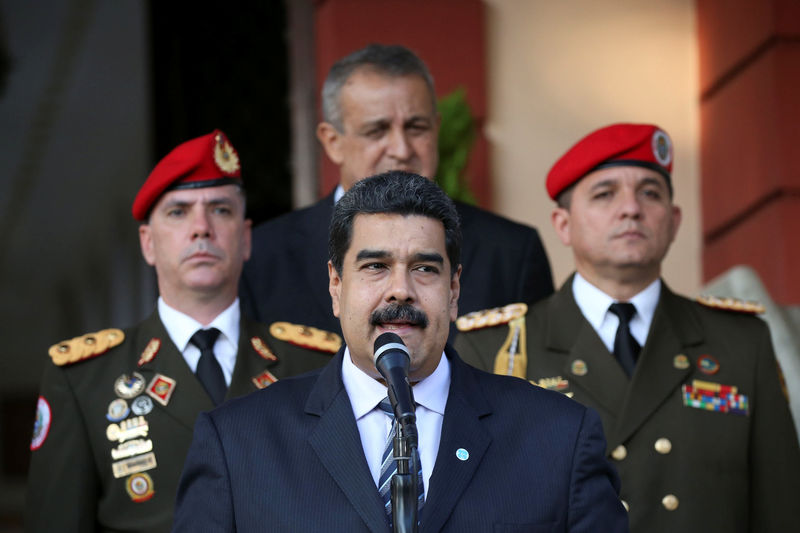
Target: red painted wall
{"type": "Point", "coordinates": [750, 139]}
{"type": "Point", "coordinates": [447, 34]}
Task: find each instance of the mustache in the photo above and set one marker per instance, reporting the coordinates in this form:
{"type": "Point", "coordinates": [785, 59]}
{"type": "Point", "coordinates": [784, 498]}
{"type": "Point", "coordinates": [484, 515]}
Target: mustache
{"type": "Point", "coordinates": [399, 313]}
{"type": "Point", "coordinates": [203, 246]}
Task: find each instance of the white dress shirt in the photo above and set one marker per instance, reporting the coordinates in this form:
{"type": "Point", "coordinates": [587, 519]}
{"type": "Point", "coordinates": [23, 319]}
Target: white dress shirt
{"type": "Point", "coordinates": [594, 304]}
{"type": "Point", "coordinates": [374, 425]}
{"type": "Point", "coordinates": [181, 327]}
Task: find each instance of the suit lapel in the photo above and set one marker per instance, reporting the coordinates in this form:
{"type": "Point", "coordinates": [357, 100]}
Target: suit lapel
{"type": "Point", "coordinates": [188, 397]}
{"type": "Point", "coordinates": [604, 380]}
{"type": "Point", "coordinates": [462, 428]}
{"type": "Point", "coordinates": [337, 443]}
{"type": "Point", "coordinates": [673, 330]}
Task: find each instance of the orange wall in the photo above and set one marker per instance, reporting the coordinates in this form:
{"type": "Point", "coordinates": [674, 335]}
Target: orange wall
{"type": "Point", "coordinates": [447, 34]}
{"type": "Point", "coordinates": [750, 139]}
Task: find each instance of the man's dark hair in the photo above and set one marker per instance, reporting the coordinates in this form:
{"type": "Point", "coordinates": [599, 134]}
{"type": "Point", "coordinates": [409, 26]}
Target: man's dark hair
{"type": "Point", "coordinates": [396, 193]}
{"type": "Point", "coordinates": [388, 60]}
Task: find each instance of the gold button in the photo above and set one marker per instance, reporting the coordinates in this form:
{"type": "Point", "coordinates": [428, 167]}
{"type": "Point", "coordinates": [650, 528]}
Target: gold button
{"type": "Point", "coordinates": [625, 505]}
{"type": "Point", "coordinates": [619, 453]}
{"type": "Point", "coordinates": [663, 446]}
{"type": "Point", "coordinates": [670, 502]}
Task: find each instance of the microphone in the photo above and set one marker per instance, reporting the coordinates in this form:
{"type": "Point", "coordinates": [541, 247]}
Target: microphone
{"type": "Point", "coordinates": [392, 361]}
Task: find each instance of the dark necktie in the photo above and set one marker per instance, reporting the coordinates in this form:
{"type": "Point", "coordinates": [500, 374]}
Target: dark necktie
{"type": "Point", "coordinates": [626, 349]}
{"type": "Point", "coordinates": [389, 467]}
{"type": "Point", "coordinates": [208, 370]}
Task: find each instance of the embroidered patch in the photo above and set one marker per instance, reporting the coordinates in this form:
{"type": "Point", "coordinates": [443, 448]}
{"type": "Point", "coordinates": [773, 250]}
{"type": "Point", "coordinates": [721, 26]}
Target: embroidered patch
{"type": "Point", "coordinates": [150, 351]}
{"type": "Point", "coordinates": [41, 424]}
{"type": "Point", "coordinates": [161, 388]}
{"type": "Point", "coordinates": [264, 379]}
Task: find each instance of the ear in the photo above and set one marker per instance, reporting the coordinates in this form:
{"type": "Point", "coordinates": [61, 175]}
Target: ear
{"type": "Point", "coordinates": [560, 219]}
{"type": "Point", "coordinates": [455, 292]}
{"type": "Point", "coordinates": [146, 244]}
{"type": "Point", "coordinates": [335, 288]}
{"type": "Point", "coordinates": [247, 238]}
{"type": "Point", "coordinates": [676, 221]}
{"type": "Point", "coordinates": [331, 140]}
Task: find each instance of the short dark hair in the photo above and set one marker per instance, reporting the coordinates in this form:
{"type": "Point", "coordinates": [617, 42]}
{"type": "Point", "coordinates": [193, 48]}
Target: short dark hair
{"type": "Point", "coordinates": [389, 60]}
{"type": "Point", "coordinates": [394, 192]}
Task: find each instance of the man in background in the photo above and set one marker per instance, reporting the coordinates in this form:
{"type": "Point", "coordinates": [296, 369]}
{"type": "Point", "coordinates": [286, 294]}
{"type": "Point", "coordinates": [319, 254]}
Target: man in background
{"type": "Point", "coordinates": [688, 391]}
{"type": "Point", "coordinates": [379, 109]}
{"type": "Point", "coordinates": [115, 416]}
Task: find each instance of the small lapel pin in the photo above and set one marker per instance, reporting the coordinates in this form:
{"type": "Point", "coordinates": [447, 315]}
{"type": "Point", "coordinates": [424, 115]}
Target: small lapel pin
{"type": "Point", "coordinates": [462, 454]}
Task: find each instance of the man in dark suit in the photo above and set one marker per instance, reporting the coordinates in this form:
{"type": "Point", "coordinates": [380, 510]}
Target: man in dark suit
{"type": "Point", "coordinates": [306, 454]}
{"type": "Point", "coordinates": [688, 391]}
{"type": "Point", "coordinates": [379, 108]}
{"type": "Point", "coordinates": [116, 411]}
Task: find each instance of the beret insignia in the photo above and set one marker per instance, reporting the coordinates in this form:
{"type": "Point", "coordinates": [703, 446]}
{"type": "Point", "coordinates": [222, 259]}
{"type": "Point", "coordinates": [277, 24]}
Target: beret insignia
{"type": "Point", "coordinates": [224, 155]}
{"type": "Point", "coordinates": [86, 346]}
{"type": "Point", "coordinates": [306, 337]}
{"type": "Point", "coordinates": [731, 304]}
{"type": "Point", "coordinates": [491, 317]}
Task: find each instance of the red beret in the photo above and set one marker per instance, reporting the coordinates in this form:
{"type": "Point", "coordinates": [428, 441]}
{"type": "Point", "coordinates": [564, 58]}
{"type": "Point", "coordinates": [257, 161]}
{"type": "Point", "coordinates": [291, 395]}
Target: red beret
{"type": "Point", "coordinates": [207, 161]}
{"type": "Point", "coordinates": [643, 145]}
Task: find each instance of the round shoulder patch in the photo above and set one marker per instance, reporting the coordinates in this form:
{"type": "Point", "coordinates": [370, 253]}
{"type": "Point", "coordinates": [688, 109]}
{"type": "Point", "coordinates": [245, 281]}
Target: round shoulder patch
{"type": "Point", "coordinates": [41, 425]}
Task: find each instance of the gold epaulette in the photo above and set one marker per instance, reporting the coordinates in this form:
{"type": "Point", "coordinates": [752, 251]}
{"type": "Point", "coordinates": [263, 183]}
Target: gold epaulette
{"type": "Point", "coordinates": [731, 304]}
{"type": "Point", "coordinates": [306, 337]}
{"type": "Point", "coordinates": [491, 317]}
{"type": "Point", "coordinates": [85, 346]}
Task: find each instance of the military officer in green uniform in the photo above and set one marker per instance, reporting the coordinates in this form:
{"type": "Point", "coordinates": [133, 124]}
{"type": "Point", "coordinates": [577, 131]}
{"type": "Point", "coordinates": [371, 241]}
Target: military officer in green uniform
{"type": "Point", "coordinates": [115, 416]}
{"type": "Point", "coordinates": [688, 391]}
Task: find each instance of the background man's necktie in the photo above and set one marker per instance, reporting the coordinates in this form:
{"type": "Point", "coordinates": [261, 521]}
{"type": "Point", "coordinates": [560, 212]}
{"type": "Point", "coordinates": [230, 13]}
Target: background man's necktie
{"type": "Point", "coordinates": [208, 370]}
{"type": "Point", "coordinates": [626, 349]}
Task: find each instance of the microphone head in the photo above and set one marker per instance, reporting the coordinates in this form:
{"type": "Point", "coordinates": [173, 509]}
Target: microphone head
{"type": "Point", "coordinates": [386, 342]}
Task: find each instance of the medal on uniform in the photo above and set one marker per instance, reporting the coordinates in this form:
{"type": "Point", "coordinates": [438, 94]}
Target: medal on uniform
{"type": "Point", "coordinates": [161, 388]}
{"type": "Point", "coordinates": [142, 405]}
{"type": "Point", "coordinates": [139, 487]}
{"type": "Point", "coordinates": [264, 379]}
{"type": "Point", "coordinates": [128, 387]}
{"type": "Point", "coordinates": [262, 349]}
{"type": "Point", "coordinates": [117, 410]}
{"type": "Point", "coordinates": [134, 465]}
{"type": "Point", "coordinates": [131, 448]}
{"type": "Point", "coordinates": [132, 428]}
{"type": "Point", "coordinates": [150, 351]}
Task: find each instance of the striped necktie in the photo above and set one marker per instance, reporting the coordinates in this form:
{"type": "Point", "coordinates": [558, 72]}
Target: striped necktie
{"type": "Point", "coordinates": [389, 467]}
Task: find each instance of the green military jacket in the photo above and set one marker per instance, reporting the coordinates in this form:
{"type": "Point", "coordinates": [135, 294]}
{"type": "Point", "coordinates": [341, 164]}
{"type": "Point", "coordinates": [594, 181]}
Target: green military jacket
{"type": "Point", "coordinates": [700, 434]}
{"type": "Point", "coordinates": [114, 426]}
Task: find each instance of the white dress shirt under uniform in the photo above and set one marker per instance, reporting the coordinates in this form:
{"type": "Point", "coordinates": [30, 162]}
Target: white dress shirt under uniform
{"type": "Point", "coordinates": [594, 304]}
{"type": "Point", "coordinates": [181, 327]}
{"type": "Point", "coordinates": [374, 425]}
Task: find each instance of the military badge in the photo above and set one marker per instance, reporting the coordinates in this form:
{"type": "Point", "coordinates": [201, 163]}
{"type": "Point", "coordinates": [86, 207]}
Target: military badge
{"type": "Point", "coordinates": [41, 424]}
{"type": "Point", "coordinates": [139, 487]}
{"type": "Point", "coordinates": [680, 361]}
{"type": "Point", "coordinates": [662, 148]}
{"type": "Point", "coordinates": [149, 352]}
{"type": "Point", "coordinates": [132, 428]}
{"type": "Point", "coordinates": [264, 379]}
{"type": "Point", "coordinates": [117, 410]}
{"type": "Point", "coordinates": [131, 448]}
{"type": "Point", "coordinates": [134, 465]}
{"type": "Point", "coordinates": [715, 397]}
{"type": "Point", "coordinates": [142, 405]}
{"type": "Point", "coordinates": [707, 364]}
{"type": "Point", "coordinates": [128, 387]}
{"type": "Point", "coordinates": [306, 337]}
{"type": "Point", "coordinates": [579, 368]}
{"type": "Point", "coordinates": [161, 388]}
{"type": "Point", "coordinates": [262, 349]}
{"type": "Point", "coordinates": [557, 383]}
{"type": "Point", "coordinates": [224, 155]}
{"type": "Point", "coordinates": [731, 304]}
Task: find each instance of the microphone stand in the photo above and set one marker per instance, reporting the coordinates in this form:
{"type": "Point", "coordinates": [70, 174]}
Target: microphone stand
{"type": "Point", "coordinates": [404, 481]}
